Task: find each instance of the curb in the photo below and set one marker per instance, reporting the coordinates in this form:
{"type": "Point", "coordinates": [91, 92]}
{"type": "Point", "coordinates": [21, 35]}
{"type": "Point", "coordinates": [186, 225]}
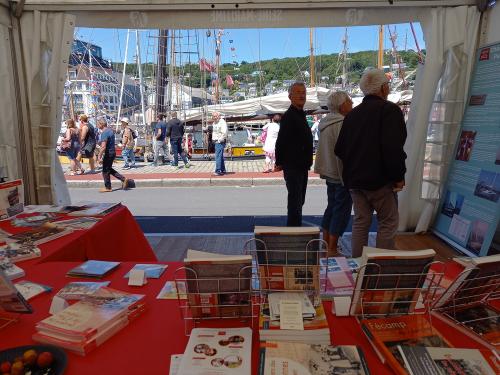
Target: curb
{"type": "Point", "coordinates": [191, 182]}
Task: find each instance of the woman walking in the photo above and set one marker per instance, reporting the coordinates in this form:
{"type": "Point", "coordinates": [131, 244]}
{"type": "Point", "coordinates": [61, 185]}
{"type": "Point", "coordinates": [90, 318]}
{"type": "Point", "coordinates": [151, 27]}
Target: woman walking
{"type": "Point", "coordinates": [71, 145]}
{"type": "Point", "coordinates": [271, 130]}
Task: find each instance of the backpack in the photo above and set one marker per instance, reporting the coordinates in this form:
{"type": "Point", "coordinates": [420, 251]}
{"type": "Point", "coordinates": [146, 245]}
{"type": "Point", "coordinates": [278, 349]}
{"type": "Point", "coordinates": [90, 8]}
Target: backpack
{"type": "Point", "coordinates": [134, 134]}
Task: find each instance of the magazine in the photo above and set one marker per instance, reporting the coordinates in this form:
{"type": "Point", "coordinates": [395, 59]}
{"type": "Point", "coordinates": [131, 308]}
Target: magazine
{"type": "Point", "coordinates": [93, 268]}
{"type": "Point", "coordinates": [16, 252]}
{"type": "Point", "coordinates": [39, 235]}
{"type": "Point", "coordinates": [30, 289]}
{"type": "Point", "coordinates": [94, 209]}
{"type": "Point", "coordinates": [282, 358]}
{"type": "Point", "coordinates": [394, 294]}
{"type": "Point", "coordinates": [152, 271]}
{"type": "Point", "coordinates": [308, 311]}
{"type": "Point", "coordinates": [420, 360]}
{"type": "Point", "coordinates": [36, 220]}
{"type": "Point", "coordinates": [51, 208]}
{"type": "Point", "coordinates": [175, 362]}
{"type": "Point", "coordinates": [291, 277]}
{"type": "Point", "coordinates": [386, 334]}
{"type": "Point", "coordinates": [11, 198]}
{"type": "Point", "coordinates": [218, 351]}
{"type": "Point", "coordinates": [11, 270]}
{"type": "Point", "coordinates": [11, 300]}
{"type": "Point", "coordinates": [78, 223]}
{"type": "Point", "coordinates": [337, 277]}
{"type": "Point", "coordinates": [169, 290]}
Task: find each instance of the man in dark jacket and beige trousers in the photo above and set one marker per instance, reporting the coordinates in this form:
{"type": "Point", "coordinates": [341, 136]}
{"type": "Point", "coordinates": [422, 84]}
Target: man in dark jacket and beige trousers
{"type": "Point", "coordinates": [370, 146]}
{"type": "Point", "coordinates": [294, 152]}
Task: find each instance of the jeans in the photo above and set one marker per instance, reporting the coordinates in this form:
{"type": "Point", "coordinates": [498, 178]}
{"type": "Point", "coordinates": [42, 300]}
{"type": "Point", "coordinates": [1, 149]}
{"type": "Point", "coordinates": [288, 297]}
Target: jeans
{"type": "Point", "coordinates": [128, 157]}
{"type": "Point", "coordinates": [296, 184]}
{"type": "Point", "coordinates": [176, 147]}
{"type": "Point", "coordinates": [219, 157]}
{"type": "Point", "coordinates": [338, 210]}
{"type": "Point", "coordinates": [107, 170]}
{"type": "Point", "coordinates": [385, 202]}
{"type": "Point", "coordinates": [160, 145]}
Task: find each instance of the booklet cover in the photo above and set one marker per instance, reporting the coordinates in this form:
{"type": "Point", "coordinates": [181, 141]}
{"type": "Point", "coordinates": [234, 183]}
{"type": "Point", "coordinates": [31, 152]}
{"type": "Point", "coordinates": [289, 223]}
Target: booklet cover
{"type": "Point", "coordinates": [93, 268]}
{"type": "Point", "coordinates": [78, 223]}
{"type": "Point", "coordinates": [218, 351]}
{"type": "Point", "coordinates": [169, 290]}
{"type": "Point", "coordinates": [11, 198]}
{"type": "Point", "coordinates": [39, 235]}
{"type": "Point", "coordinates": [16, 251]}
{"type": "Point", "coordinates": [94, 209]}
{"type": "Point", "coordinates": [11, 270]}
{"type": "Point", "coordinates": [32, 220]}
{"type": "Point", "coordinates": [79, 289]}
{"type": "Point", "coordinates": [283, 358]}
{"type": "Point", "coordinates": [152, 271]}
{"type": "Point", "coordinates": [30, 289]}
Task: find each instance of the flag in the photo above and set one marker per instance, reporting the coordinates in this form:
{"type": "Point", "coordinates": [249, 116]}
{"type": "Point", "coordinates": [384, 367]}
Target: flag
{"type": "Point", "coordinates": [206, 66]}
{"type": "Point", "coordinates": [229, 80]}
{"type": "Point", "coordinates": [233, 49]}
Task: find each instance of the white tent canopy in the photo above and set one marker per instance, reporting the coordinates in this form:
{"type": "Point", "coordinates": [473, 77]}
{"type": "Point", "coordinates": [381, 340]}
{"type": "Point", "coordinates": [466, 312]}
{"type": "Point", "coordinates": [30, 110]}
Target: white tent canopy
{"type": "Point", "coordinates": [37, 41]}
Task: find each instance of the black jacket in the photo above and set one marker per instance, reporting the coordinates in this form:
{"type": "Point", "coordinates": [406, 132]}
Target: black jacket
{"type": "Point", "coordinates": [370, 144]}
{"type": "Point", "coordinates": [175, 129]}
{"type": "Point", "coordinates": [294, 146]}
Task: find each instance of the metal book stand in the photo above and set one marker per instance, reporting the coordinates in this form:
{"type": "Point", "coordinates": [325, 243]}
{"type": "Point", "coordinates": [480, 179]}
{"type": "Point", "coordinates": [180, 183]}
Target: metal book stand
{"type": "Point", "coordinates": [379, 295]}
{"type": "Point", "coordinates": [479, 291]}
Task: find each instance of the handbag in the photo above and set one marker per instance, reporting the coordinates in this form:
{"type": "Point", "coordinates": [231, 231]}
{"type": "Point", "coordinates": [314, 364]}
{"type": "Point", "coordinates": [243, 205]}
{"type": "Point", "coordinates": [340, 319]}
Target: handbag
{"type": "Point", "coordinates": [65, 145]}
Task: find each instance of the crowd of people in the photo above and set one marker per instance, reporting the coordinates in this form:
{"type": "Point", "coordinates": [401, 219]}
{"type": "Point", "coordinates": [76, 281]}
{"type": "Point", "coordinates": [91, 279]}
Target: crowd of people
{"type": "Point", "coordinates": [359, 155]}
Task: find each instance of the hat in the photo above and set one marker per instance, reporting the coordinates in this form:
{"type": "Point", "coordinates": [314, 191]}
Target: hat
{"type": "Point", "coordinates": [125, 119]}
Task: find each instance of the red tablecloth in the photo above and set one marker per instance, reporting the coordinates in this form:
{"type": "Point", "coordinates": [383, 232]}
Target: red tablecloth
{"type": "Point", "coordinates": [117, 236]}
{"type": "Point", "coordinates": [145, 346]}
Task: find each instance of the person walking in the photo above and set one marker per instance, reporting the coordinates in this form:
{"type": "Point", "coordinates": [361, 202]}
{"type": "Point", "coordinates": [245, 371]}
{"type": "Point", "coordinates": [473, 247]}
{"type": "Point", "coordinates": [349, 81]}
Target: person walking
{"type": "Point", "coordinates": [128, 144]}
{"type": "Point", "coordinates": [294, 152]}
{"type": "Point", "coordinates": [370, 146]}
{"type": "Point", "coordinates": [160, 144]}
{"type": "Point", "coordinates": [271, 130]}
{"type": "Point", "coordinates": [107, 154]}
{"type": "Point", "coordinates": [329, 167]}
{"type": "Point", "coordinates": [71, 145]}
{"type": "Point", "coordinates": [175, 131]}
{"type": "Point", "coordinates": [88, 142]}
{"type": "Point", "coordinates": [219, 137]}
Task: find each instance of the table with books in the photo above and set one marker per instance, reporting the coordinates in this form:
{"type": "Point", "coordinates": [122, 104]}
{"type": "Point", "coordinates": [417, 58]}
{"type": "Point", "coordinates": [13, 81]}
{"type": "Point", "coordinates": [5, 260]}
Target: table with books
{"type": "Point", "coordinates": [51, 234]}
{"type": "Point", "coordinates": [144, 342]}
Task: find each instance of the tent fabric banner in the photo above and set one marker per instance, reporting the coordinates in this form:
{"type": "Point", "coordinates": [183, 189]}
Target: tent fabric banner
{"type": "Point", "coordinates": [469, 213]}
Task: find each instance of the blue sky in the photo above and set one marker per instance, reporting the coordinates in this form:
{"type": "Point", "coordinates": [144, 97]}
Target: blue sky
{"type": "Point", "coordinates": [252, 44]}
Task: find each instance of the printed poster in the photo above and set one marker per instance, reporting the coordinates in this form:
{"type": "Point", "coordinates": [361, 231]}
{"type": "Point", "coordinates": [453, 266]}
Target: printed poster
{"type": "Point", "coordinates": [11, 198]}
{"type": "Point", "coordinates": [469, 213]}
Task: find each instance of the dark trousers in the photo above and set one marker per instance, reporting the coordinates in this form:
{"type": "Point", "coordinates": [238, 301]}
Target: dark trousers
{"type": "Point", "coordinates": [107, 171]}
{"type": "Point", "coordinates": [338, 211]}
{"type": "Point", "coordinates": [176, 147]}
{"type": "Point", "coordinates": [219, 157]}
{"type": "Point", "coordinates": [296, 184]}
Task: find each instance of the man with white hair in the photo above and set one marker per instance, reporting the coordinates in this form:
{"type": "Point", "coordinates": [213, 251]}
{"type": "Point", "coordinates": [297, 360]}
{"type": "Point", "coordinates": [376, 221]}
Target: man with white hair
{"type": "Point", "coordinates": [329, 167]}
{"type": "Point", "coordinates": [219, 137]}
{"type": "Point", "coordinates": [370, 146]}
{"type": "Point", "coordinates": [294, 152]}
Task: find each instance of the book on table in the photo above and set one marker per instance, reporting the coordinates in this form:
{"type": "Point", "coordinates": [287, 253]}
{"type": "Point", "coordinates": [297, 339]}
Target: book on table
{"type": "Point", "coordinates": [11, 198]}
{"type": "Point", "coordinates": [39, 235]}
{"type": "Point", "coordinates": [18, 251]}
{"type": "Point", "coordinates": [308, 311]}
{"type": "Point", "coordinates": [93, 268]}
{"type": "Point", "coordinates": [152, 271]}
{"type": "Point", "coordinates": [218, 351]}
{"type": "Point", "coordinates": [93, 208]}
{"type": "Point", "coordinates": [385, 334]}
{"type": "Point", "coordinates": [390, 281]}
{"type": "Point", "coordinates": [218, 286]}
{"type": "Point", "coordinates": [336, 277]}
{"type": "Point", "coordinates": [80, 289]}
{"type": "Point", "coordinates": [79, 223]}
{"type": "Point", "coordinates": [30, 289]}
{"type": "Point", "coordinates": [282, 358]}
{"type": "Point", "coordinates": [11, 270]}
{"type": "Point", "coordinates": [421, 360]}
{"type": "Point", "coordinates": [316, 330]}
{"type": "Point", "coordinates": [11, 300]}
{"type": "Point", "coordinates": [89, 322]}
{"type": "Point", "coordinates": [465, 303]}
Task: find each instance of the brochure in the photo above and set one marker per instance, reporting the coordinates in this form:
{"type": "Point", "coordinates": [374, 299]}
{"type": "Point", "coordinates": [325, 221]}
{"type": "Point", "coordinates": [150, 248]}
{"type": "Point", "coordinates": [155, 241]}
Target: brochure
{"type": "Point", "coordinates": [152, 271]}
{"type": "Point", "coordinates": [30, 289]}
{"type": "Point", "coordinates": [11, 198]}
{"type": "Point", "coordinates": [169, 290]}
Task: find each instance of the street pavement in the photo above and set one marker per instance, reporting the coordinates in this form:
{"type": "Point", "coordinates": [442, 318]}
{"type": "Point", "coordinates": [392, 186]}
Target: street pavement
{"type": "Point", "coordinates": [240, 172]}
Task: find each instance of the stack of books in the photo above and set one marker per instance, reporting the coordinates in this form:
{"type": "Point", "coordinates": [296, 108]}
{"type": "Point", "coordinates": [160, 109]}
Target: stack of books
{"type": "Point", "coordinates": [83, 326]}
{"type": "Point", "coordinates": [93, 269]}
{"type": "Point", "coordinates": [218, 285]}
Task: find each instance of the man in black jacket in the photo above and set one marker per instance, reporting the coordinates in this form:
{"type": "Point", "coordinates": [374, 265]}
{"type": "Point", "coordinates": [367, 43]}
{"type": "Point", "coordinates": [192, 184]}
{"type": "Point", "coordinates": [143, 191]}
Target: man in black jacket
{"type": "Point", "coordinates": [175, 131]}
{"type": "Point", "coordinates": [294, 150]}
{"type": "Point", "coordinates": [370, 146]}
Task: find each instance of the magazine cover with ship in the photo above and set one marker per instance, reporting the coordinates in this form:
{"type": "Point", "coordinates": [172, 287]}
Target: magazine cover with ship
{"type": "Point", "coordinates": [41, 234]}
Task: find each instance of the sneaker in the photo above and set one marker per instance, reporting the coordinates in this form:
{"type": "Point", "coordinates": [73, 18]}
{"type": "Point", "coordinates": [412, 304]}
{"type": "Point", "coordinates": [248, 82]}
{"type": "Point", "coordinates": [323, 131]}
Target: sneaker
{"type": "Point", "coordinates": [178, 167]}
{"type": "Point", "coordinates": [217, 174]}
{"type": "Point", "coordinates": [105, 190]}
{"type": "Point", "coordinates": [125, 184]}
{"type": "Point", "coordinates": [126, 167]}
{"type": "Point", "coordinates": [187, 165]}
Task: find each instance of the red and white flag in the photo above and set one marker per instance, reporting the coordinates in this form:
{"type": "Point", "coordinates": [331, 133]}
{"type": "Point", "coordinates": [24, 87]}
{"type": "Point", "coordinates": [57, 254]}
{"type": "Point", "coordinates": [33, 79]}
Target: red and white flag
{"type": "Point", "coordinates": [229, 80]}
{"type": "Point", "coordinates": [206, 66]}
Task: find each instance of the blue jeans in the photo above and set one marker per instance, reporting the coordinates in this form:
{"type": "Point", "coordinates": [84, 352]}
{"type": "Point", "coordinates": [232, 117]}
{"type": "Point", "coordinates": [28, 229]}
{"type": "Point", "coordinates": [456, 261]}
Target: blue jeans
{"type": "Point", "coordinates": [296, 184]}
{"type": "Point", "coordinates": [338, 210]}
{"type": "Point", "coordinates": [128, 157]}
{"type": "Point", "coordinates": [219, 158]}
{"type": "Point", "coordinates": [177, 150]}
